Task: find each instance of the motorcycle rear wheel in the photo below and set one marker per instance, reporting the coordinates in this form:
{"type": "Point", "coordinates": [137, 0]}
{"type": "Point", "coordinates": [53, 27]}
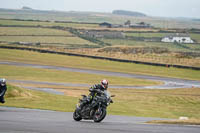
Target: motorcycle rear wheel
{"type": "Point", "coordinates": [99, 116]}
{"type": "Point", "coordinates": [76, 116]}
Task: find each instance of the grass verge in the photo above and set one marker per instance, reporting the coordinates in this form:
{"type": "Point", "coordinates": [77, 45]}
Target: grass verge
{"type": "Point", "coordinates": [80, 62]}
{"type": "Point", "coordinates": [146, 103]}
{"type": "Point", "coordinates": [19, 97]}
{"type": "Point", "coordinates": [181, 122]}
{"type": "Point", "coordinates": [38, 74]}
{"type": "Point", "coordinates": [157, 103]}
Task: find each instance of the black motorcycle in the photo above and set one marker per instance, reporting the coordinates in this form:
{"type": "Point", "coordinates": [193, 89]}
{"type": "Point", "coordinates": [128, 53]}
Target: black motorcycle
{"type": "Point", "coordinates": [96, 110]}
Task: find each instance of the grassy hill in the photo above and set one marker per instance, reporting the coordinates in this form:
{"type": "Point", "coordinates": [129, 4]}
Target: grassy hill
{"type": "Point", "coordinates": [128, 13]}
{"type": "Point", "coordinates": [75, 37]}
{"type": "Point", "coordinates": [96, 17]}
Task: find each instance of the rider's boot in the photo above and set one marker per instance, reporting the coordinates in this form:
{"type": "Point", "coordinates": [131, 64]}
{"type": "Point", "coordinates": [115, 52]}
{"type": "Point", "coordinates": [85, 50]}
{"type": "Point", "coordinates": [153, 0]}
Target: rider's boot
{"type": "Point", "coordinates": [2, 100]}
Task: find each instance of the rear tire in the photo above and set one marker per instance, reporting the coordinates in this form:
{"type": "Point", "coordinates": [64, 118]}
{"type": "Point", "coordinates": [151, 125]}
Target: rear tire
{"type": "Point", "coordinates": [76, 116]}
{"type": "Point", "coordinates": [101, 116]}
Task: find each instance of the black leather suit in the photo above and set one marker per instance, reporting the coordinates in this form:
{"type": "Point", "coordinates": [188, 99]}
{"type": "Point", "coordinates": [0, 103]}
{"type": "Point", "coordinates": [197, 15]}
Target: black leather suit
{"type": "Point", "coordinates": [94, 90]}
{"type": "Point", "coordinates": [3, 90]}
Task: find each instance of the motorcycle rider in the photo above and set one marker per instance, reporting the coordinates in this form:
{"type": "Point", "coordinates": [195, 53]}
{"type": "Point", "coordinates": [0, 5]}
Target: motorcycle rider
{"type": "Point", "coordinates": [94, 90]}
{"type": "Point", "coordinates": [3, 89]}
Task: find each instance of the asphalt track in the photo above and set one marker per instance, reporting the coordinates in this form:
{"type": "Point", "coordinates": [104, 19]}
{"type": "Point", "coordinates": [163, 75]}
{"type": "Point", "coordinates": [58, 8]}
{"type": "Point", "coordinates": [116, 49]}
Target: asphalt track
{"type": "Point", "coordinates": [169, 83]}
{"type": "Point", "coordinates": [19, 120]}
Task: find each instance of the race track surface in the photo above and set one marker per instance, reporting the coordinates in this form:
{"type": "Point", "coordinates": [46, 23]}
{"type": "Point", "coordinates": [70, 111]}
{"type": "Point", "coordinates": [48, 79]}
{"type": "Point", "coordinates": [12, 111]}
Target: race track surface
{"type": "Point", "coordinates": [19, 120]}
{"type": "Point", "coordinates": [169, 83]}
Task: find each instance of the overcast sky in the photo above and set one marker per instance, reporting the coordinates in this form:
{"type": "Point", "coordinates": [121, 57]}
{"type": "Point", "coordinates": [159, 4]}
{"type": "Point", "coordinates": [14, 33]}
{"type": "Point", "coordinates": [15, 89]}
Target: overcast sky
{"type": "Point", "coordinates": [165, 8]}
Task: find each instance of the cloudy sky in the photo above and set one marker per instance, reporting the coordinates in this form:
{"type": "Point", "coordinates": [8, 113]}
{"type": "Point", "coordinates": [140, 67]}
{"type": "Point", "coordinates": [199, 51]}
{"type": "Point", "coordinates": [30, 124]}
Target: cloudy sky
{"type": "Point", "coordinates": [165, 8]}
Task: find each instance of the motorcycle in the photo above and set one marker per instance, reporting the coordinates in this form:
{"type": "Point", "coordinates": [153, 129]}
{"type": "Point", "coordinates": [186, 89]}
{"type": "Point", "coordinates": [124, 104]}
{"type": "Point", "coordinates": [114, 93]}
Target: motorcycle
{"type": "Point", "coordinates": [96, 110]}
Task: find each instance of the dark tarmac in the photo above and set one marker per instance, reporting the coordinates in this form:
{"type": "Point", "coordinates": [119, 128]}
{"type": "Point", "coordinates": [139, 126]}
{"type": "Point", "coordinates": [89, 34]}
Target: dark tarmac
{"type": "Point", "coordinates": [19, 120]}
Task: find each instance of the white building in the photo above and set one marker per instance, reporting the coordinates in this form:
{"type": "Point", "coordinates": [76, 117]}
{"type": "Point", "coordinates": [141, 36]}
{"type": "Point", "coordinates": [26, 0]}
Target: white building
{"type": "Point", "coordinates": [179, 38]}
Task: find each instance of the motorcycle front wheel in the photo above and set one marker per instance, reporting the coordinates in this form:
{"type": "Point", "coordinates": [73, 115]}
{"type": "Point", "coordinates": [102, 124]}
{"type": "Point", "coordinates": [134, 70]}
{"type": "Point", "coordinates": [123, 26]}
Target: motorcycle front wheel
{"type": "Point", "coordinates": [76, 116]}
{"type": "Point", "coordinates": [99, 115]}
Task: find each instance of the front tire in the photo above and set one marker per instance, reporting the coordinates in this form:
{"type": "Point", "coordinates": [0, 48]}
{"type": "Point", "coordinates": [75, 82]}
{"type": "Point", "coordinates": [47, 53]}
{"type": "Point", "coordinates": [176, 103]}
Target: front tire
{"type": "Point", "coordinates": [76, 116]}
{"type": "Point", "coordinates": [99, 115]}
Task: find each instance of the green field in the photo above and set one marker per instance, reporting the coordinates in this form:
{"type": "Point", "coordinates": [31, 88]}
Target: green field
{"type": "Point", "coordinates": [32, 31]}
{"type": "Point", "coordinates": [170, 46]}
{"type": "Point", "coordinates": [46, 39]}
{"type": "Point", "coordinates": [158, 103]}
{"type": "Point", "coordinates": [146, 103]}
{"type": "Point", "coordinates": [62, 39]}
{"type": "Point", "coordinates": [133, 102]}
{"type": "Point", "coordinates": [36, 74]}
{"type": "Point", "coordinates": [147, 34]}
{"type": "Point", "coordinates": [52, 23]}
{"type": "Point", "coordinates": [196, 37]}
{"type": "Point", "coordinates": [80, 62]}
{"type": "Point", "coordinates": [19, 97]}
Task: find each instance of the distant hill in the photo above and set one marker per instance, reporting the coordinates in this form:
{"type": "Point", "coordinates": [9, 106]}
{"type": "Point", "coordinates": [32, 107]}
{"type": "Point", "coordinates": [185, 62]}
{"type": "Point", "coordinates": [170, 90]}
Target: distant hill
{"type": "Point", "coordinates": [196, 19]}
{"type": "Point", "coordinates": [97, 17]}
{"type": "Point", "coordinates": [26, 8]}
{"type": "Point", "coordinates": [129, 13]}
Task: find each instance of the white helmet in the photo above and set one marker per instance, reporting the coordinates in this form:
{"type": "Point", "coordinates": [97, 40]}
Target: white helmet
{"type": "Point", "coordinates": [3, 82]}
{"type": "Point", "coordinates": [104, 83]}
